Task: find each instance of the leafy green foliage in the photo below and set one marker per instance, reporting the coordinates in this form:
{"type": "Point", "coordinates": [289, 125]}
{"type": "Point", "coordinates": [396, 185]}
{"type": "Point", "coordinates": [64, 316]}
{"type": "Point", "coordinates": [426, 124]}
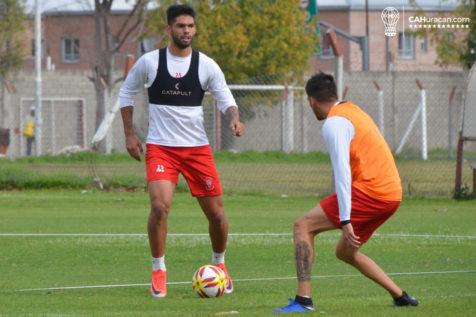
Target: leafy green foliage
{"type": "Point", "coordinates": [468, 57]}
{"type": "Point", "coordinates": [455, 47]}
{"type": "Point", "coordinates": [12, 26]}
{"type": "Point", "coordinates": [249, 38]}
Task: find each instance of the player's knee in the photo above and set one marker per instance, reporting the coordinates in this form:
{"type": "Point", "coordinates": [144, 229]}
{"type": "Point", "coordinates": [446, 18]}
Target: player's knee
{"type": "Point", "coordinates": [299, 226]}
{"type": "Point", "coordinates": [160, 209]}
{"type": "Point", "coordinates": [217, 217]}
{"type": "Point", "coordinates": [345, 256]}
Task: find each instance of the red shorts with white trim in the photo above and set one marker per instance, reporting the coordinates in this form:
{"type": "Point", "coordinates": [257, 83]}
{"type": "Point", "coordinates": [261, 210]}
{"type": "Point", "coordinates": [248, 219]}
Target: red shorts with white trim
{"type": "Point", "coordinates": [194, 163]}
{"type": "Point", "coordinates": [367, 213]}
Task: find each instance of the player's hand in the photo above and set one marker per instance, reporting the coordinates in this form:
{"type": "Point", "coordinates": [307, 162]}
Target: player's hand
{"type": "Point", "coordinates": [237, 128]}
{"type": "Point", "coordinates": [134, 146]}
{"type": "Point", "coordinates": [349, 236]}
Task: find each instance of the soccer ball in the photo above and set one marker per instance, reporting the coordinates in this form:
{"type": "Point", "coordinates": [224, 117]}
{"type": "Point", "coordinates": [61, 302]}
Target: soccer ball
{"type": "Point", "coordinates": [209, 281]}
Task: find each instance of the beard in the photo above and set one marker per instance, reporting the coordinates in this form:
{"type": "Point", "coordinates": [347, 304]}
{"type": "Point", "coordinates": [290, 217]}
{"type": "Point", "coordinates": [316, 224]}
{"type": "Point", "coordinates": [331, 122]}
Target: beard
{"type": "Point", "coordinates": [177, 41]}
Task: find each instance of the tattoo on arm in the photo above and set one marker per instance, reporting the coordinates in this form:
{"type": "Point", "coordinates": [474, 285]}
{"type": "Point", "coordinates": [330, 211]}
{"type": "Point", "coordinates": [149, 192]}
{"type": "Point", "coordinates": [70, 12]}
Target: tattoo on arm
{"type": "Point", "coordinates": [303, 261]}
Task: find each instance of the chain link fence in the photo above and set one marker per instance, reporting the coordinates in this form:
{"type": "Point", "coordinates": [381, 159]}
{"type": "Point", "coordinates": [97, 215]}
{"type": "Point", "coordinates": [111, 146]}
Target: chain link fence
{"type": "Point", "coordinates": [278, 152]}
{"type": "Point", "coordinates": [419, 114]}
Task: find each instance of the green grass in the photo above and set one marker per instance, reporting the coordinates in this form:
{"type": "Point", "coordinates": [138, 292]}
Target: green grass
{"type": "Point", "coordinates": [246, 172]}
{"type": "Point", "coordinates": [58, 261]}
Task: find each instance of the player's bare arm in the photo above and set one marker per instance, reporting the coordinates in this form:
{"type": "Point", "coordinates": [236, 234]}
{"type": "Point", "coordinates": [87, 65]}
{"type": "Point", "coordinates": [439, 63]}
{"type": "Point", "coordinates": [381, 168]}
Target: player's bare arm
{"type": "Point", "coordinates": [236, 126]}
{"type": "Point", "coordinates": [133, 144]}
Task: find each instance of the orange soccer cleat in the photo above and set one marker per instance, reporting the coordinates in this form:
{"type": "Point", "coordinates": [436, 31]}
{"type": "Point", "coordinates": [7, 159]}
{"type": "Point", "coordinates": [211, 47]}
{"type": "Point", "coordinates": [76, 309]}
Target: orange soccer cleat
{"type": "Point", "coordinates": [229, 281]}
{"type": "Point", "coordinates": [158, 284]}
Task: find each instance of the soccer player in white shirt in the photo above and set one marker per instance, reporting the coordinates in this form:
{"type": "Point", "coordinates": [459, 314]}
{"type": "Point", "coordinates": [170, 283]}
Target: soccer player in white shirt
{"type": "Point", "coordinates": [176, 78]}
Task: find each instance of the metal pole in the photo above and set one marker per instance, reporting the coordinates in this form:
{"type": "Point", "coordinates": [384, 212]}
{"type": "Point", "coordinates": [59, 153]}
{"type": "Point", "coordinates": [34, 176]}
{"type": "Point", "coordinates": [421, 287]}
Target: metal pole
{"type": "Point", "coordinates": [339, 62]}
{"type": "Point", "coordinates": [387, 55]}
{"type": "Point", "coordinates": [459, 164]}
{"type": "Point", "coordinates": [218, 132]}
{"type": "Point", "coordinates": [381, 110]}
{"type": "Point", "coordinates": [364, 46]}
{"type": "Point", "coordinates": [303, 126]}
{"type": "Point", "coordinates": [2, 104]}
{"type": "Point", "coordinates": [424, 136]}
{"type": "Point", "coordinates": [109, 132]}
{"type": "Point", "coordinates": [450, 123]}
{"type": "Point", "coordinates": [367, 26]}
{"type": "Point", "coordinates": [367, 18]}
{"type": "Point", "coordinates": [287, 122]}
{"type": "Point", "coordinates": [339, 71]}
{"type": "Point", "coordinates": [38, 117]}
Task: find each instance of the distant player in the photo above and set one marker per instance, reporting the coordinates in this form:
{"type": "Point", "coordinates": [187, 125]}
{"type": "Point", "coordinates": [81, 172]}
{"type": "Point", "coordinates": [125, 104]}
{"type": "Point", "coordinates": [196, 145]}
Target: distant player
{"type": "Point", "coordinates": [368, 192]}
{"type": "Point", "coordinates": [177, 77]}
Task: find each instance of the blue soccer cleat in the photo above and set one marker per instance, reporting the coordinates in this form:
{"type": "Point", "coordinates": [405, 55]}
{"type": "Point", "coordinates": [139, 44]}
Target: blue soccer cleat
{"type": "Point", "coordinates": [294, 307]}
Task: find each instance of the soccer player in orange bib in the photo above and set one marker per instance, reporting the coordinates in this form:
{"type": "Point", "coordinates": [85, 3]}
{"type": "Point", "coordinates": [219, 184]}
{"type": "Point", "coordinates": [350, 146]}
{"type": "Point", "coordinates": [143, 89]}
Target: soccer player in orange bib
{"type": "Point", "coordinates": [368, 192]}
{"type": "Point", "coordinates": [177, 77]}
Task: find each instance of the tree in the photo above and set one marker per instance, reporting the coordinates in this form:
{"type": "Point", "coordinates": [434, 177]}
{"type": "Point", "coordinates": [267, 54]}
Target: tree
{"type": "Point", "coordinates": [468, 57]}
{"type": "Point", "coordinates": [455, 47]}
{"type": "Point", "coordinates": [12, 26]}
{"type": "Point", "coordinates": [108, 43]}
{"type": "Point", "coordinates": [249, 38]}
{"type": "Point", "coordinates": [266, 41]}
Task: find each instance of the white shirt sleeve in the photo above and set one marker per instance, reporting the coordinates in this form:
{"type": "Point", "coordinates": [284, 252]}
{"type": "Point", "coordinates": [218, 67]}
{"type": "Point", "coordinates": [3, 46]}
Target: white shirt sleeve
{"type": "Point", "coordinates": [215, 83]}
{"type": "Point", "coordinates": [338, 132]}
{"type": "Point", "coordinates": [134, 83]}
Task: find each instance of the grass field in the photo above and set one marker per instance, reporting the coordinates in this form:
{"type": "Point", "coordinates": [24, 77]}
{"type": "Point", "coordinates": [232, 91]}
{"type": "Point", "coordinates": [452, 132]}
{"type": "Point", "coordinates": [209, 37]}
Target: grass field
{"type": "Point", "coordinates": [430, 244]}
{"type": "Point", "coordinates": [245, 172]}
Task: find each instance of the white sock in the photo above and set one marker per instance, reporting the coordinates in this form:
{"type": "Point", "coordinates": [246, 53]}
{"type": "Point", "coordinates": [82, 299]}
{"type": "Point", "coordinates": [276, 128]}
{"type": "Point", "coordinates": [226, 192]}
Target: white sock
{"type": "Point", "coordinates": [218, 258]}
{"type": "Point", "coordinates": [158, 263]}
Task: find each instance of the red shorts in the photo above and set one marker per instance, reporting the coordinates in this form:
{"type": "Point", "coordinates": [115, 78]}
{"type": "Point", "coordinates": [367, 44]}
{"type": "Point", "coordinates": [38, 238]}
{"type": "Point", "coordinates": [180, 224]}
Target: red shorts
{"type": "Point", "coordinates": [195, 163]}
{"type": "Point", "coordinates": [367, 213]}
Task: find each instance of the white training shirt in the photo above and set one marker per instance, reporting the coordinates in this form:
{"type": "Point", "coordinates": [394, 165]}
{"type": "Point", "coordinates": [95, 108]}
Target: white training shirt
{"type": "Point", "coordinates": [176, 125]}
{"type": "Point", "coordinates": [338, 132]}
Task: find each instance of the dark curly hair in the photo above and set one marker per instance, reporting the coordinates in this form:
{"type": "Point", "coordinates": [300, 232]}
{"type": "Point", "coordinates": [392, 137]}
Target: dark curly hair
{"type": "Point", "coordinates": [322, 87]}
{"type": "Point", "coordinates": [177, 10]}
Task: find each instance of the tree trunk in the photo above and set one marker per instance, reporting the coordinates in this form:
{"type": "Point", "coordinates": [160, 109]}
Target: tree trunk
{"type": "Point", "coordinates": [108, 45]}
{"type": "Point", "coordinates": [97, 79]}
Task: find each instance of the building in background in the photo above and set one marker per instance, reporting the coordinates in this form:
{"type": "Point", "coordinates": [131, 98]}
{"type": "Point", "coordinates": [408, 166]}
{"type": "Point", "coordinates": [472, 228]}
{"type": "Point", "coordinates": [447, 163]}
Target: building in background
{"type": "Point", "coordinates": [68, 34]}
{"type": "Point", "coordinates": [68, 29]}
{"type": "Point", "coordinates": [403, 52]}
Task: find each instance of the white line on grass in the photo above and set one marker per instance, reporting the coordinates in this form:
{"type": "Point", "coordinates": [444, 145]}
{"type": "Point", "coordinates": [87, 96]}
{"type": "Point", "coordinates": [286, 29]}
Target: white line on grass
{"type": "Point", "coordinates": [264, 234]}
{"type": "Point", "coordinates": [240, 280]}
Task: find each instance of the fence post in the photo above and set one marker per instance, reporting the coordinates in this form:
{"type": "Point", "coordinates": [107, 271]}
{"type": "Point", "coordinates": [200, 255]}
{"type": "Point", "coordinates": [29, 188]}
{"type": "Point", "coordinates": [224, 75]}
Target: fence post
{"type": "Point", "coordinates": [109, 132]}
{"type": "Point", "coordinates": [217, 127]}
{"type": "Point", "coordinates": [287, 121]}
{"type": "Point", "coordinates": [303, 126]}
{"type": "Point", "coordinates": [459, 164]}
{"type": "Point", "coordinates": [450, 122]}
{"type": "Point", "coordinates": [424, 138]}
{"type": "Point", "coordinates": [420, 109]}
{"type": "Point", "coordinates": [381, 110]}
{"type": "Point", "coordinates": [38, 81]}
{"type": "Point", "coordinates": [339, 62]}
